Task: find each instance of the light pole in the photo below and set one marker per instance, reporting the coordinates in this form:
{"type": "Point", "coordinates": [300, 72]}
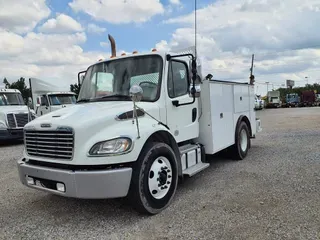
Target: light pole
{"type": "Point", "coordinates": [267, 86]}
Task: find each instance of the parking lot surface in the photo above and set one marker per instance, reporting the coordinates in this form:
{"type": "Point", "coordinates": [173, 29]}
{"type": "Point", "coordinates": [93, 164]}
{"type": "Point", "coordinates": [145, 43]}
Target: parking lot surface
{"type": "Point", "coordinates": [273, 194]}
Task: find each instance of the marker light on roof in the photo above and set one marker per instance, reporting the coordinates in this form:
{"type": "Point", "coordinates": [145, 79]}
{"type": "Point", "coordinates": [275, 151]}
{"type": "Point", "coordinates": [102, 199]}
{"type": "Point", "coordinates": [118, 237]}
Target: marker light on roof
{"type": "Point", "coordinates": [154, 50]}
{"type": "Point", "coordinates": [134, 52]}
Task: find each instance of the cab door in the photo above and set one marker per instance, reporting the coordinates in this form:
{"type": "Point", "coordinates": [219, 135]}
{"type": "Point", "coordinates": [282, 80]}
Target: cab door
{"type": "Point", "coordinates": [182, 120]}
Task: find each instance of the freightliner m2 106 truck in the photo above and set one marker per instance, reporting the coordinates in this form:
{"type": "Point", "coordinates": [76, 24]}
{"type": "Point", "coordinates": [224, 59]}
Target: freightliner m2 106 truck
{"type": "Point", "coordinates": [14, 114]}
{"type": "Point", "coordinates": [48, 97]}
{"type": "Point", "coordinates": [141, 122]}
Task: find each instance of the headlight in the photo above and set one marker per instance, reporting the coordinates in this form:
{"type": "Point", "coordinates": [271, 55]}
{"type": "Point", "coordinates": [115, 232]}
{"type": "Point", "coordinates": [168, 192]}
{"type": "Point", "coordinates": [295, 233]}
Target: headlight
{"type": "Point", "coordinates": [3, 126]}
{"type": "Point", "coordinates": [114, 146]}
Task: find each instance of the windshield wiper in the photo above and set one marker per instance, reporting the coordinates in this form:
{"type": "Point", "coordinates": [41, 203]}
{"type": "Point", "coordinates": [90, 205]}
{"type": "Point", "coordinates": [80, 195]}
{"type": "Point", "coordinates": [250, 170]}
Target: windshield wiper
{"type": "Point", "coordinates": [121, 96]}
{"type": "Point", "coordinates": [84, 100]}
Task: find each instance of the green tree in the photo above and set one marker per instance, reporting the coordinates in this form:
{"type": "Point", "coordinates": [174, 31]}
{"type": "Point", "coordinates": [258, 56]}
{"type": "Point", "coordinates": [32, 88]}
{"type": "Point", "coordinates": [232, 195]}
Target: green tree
{"type": "Point", "coordinates": [21, 86]}
{"type": "Point", "coordinates": [298, 90]}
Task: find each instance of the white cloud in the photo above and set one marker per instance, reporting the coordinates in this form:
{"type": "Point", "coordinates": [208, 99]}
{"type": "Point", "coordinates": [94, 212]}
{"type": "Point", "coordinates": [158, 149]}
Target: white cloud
{"type": "Point", "coordinates": [93, 28]}
{"type": "Point", "coordinates": [176, 2]}
{"type": "Point", "coordinates": [22, 16]}
{"type": "Point", "coordinates": [61, 24]}
{"type": "Point", "coordinates": [48, 56]}
{"type": "Point", "coordinates": [104, 44]}
{"type": "Point", "coordinates": [124, 11]}
{"type": "Point", "coordinates": [282, 34]}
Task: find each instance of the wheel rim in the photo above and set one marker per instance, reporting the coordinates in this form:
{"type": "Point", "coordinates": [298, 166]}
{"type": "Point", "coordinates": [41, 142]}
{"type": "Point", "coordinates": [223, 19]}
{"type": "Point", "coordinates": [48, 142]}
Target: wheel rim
{"type": "Point", "coordinates": [160, 177]}
{"type": "Point", "coordinates": [243, 140]}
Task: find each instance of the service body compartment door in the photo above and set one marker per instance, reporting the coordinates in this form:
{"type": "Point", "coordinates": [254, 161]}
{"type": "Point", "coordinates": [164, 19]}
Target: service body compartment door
{"type": "Point", "coordinates": [221, 98]}
{"type": "Point", "coordinates": [241, 98]}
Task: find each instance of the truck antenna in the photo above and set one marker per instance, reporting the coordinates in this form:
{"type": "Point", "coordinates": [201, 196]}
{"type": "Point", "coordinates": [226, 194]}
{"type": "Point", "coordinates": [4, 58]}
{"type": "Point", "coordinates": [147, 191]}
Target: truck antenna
{"type": "Point", "coordinates": [195, 28]}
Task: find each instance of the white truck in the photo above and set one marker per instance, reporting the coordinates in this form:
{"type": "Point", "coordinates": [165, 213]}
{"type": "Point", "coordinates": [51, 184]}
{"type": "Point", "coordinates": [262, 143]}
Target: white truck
{"type": "Point", "coordinates": [274, 100]}
{"type": "Point", "coordinates": [14, 114]}
{"type": "Point", "coordinates": [141, 122]}
{"type": "Point", "coordinates": [48, 97]}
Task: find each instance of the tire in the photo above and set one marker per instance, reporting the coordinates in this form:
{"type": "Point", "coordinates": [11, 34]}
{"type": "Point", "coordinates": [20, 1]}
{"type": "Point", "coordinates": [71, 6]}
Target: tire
{"type": "Point", "coordinates": [242, 142]}
{"type": "Point", "coordinates": [155, 157]}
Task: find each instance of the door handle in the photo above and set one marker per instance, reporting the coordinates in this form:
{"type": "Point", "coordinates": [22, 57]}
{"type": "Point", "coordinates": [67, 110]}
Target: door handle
{"type": "Point", "coordinates": [221, 115]}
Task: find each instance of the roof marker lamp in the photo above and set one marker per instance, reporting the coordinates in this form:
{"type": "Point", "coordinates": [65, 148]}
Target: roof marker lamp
{"type": "Point", "coordinates": [111, 147]}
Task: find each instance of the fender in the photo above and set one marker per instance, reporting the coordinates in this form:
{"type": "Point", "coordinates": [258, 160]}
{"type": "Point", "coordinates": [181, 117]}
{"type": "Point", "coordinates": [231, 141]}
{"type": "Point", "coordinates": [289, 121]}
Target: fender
{"type": "Point", "coordinates": [148, 127]}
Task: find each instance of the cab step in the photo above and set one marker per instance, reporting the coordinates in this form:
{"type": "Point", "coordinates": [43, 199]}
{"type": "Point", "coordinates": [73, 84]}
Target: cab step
{"type": "Point", "coordinates": [195, 169]}
{"type": "Point", "coordinates": [191, 159]}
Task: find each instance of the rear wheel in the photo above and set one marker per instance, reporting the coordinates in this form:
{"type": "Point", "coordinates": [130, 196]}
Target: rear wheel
{"type": "Point", "coordinates": [242, 142]}
{"type": "Point", "coordinates": [154, 179]}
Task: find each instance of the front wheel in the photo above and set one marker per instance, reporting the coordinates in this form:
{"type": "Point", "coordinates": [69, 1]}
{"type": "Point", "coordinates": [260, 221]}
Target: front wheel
{"type": "Point", "coordinates": [154, 179]}
{"type": "Point", "coordinates": [242, 142]}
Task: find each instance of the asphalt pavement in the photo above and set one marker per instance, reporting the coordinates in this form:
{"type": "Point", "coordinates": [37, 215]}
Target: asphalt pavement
{"type": "Point", "coordinates": [273, 194]}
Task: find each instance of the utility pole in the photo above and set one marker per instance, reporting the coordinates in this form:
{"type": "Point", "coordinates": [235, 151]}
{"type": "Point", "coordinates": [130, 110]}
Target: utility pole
{"type": "Point", "coordinates": [251, 70]}
{"type": "Point", "coordinates": [267, 86]}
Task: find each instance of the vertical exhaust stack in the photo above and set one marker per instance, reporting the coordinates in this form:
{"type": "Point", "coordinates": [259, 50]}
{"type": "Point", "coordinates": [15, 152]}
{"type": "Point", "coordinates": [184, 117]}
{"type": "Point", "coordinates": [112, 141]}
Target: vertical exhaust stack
{"type": "Point", "coordinates": [113, 46]}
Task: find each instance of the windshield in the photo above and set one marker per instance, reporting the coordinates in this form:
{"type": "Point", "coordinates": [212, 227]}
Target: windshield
{"type": "Point", "coordinates": [115, 77]}
{"type": "Point", "coordinates": [60, 99]}
{"type": "Point", "coordinates": [9, 99]}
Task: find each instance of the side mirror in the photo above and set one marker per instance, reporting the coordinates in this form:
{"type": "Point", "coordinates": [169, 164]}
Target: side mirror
{"type": "Point", "coordinates": [136, 93]}
{"type": "Point", "coordinates": [30, 104]}
{"type": "Point", "coordinates": [81, 76]}
{"type": "Point", "coordinates": [38, 102]}
{"type": "Point", "coordinates": [195, 91]}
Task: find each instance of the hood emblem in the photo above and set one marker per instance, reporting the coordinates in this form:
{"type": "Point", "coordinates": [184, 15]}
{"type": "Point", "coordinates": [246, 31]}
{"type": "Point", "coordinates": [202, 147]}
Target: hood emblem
{"type": "Point", "coordinates": [45, 125]}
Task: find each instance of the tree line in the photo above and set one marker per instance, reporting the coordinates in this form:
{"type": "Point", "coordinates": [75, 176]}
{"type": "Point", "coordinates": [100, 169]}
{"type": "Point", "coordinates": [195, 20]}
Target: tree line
{"type": "Point", "coordinates": [20, 84]}
{"type": "Point", "coordinates": [308, 87]}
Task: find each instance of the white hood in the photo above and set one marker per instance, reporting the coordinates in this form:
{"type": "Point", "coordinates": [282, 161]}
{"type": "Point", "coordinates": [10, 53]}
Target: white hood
{"type": "Point", "coordinates": [14, 109]}
{"type": "Point", "coordinates": [91, 116]}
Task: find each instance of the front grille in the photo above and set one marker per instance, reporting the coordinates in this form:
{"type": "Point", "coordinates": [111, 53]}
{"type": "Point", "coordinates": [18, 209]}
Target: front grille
{"type": "Point", "coordinates": [22, 119]}
{"type": "Point", "coordinates": [18, 120]}
{"type": "Point", "coordinates": [11, 121]}
{"type": "Point", "coordinates": [50, 144]}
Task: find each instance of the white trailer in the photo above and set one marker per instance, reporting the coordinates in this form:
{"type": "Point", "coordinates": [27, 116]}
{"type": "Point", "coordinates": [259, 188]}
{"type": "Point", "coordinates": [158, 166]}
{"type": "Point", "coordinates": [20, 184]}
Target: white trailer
{"type": "Point", "coordinates": [14, 114]}
{"type": "Point", "coordinates": [48, 97]}
{"type": "Point", "coordinates": [274, 99]}
{"type": "Point", "coordinates": [142, 122]}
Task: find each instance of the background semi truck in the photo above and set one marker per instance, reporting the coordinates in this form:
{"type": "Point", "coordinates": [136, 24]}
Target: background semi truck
{"type": "Point", "coordinates": [50, 96]}
{"type": "Point", "coordinates": [14, 114]}
{"type": "Point", "coordinates": [308, 98]}
{"type": "Point", "coordinates": [292, 100]}
{"type": "Point", "coordinates": [274, 100]}
{"type": "Point", "coordinates": [141, 122]}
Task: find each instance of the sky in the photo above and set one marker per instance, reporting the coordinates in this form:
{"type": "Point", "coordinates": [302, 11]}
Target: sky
{"type": "Point", "coordinates": [55, 39]}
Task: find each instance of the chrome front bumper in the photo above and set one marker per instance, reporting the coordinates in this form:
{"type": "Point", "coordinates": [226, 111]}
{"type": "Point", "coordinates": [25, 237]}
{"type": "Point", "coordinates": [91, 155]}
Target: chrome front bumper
{"type": "Point", "coordinates": [96, 184]}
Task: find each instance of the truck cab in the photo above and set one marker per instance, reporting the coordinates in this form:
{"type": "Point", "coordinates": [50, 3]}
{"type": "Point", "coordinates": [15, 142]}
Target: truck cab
{"type": "Point", "coordinates": [14, 114]}
{"type": "Point", "coordinates": [48, 96]}
{"type": "Point", "coordinates": [141, 122]}
{"type": "Point", "coordinates": [53, 101]}
{"type": "Point", "coordinates": [292, 100]}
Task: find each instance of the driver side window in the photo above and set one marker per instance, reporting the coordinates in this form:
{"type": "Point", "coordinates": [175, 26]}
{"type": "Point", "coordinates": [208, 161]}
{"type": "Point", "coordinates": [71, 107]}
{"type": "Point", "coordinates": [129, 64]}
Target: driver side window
{"type": "Point", "coordinates": [178, 81]}
{"type": "Point", "coordinates": [102, 83]}
{"type": "Point", "coordinates": [44, 100]}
